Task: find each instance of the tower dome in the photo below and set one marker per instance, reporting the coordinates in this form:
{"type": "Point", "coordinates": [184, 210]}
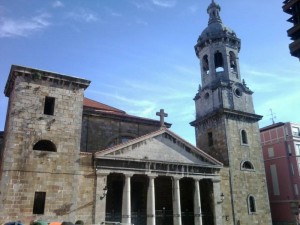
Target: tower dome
{"type": "Point", "coordinates": [216, 30]}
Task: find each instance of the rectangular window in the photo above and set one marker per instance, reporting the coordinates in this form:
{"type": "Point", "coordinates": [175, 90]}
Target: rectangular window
{"type": "Point", "coordinates": [271, 152]}
{"type": "Point", "coordinates": [292, 169]}
{"type": "Point", "coordinates": [289, 149]}
{"type": "Point", "coordinates": [49, 105]}
{"type": "Point", "coordinates": [274, 176]}
{"type": "Point", "coordinates": [295, 131]}
{"type": "Point", "coordinates": [210, 139]}
{"type": "Point", "coordinates": [39, 203]}
{"type": "Point", "coordinates": [297, 149]}
{"type": "Point", "coordinates": [296, 189]}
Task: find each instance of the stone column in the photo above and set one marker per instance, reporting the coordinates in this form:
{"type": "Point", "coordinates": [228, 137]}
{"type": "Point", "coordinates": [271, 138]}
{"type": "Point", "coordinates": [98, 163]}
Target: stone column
{"type": "Point", "coordinates": [100, 199]}
{"type": "Point", "coordinates": [217, 202]}
{"type": "Point", "coordinates": [176, 202]}
{"type": "Point", "coordinates": [197, 204]}
{"type": "Point", "coordinates": [126, 200]}
{"type": "Point", "coordinates": [151, 201]}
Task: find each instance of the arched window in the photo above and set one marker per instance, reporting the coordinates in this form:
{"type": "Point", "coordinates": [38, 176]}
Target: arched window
{"type": "Point", "coordinates": [232, 60]}
{"type": "Point", "coordinates": [45, 145]}
{"type": "Point", "coordinates": [219, 62]}
{"type": "Point", "coordinates": [251, 204]}
{"type": "Point", "coordinates": [205, 64]}
{"type": "Point", "coordinates": [247, 165]}
{"type": "Point", "coordinates": [244, 137]}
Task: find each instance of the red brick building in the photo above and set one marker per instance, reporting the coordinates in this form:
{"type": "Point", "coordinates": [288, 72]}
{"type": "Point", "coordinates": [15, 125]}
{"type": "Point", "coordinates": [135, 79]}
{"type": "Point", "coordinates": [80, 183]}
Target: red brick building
{"type": "Point", "coordinates": [281, 152]}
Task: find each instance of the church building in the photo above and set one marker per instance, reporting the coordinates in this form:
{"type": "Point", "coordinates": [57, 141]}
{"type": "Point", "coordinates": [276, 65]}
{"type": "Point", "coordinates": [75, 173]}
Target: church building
{"type": "Point", "coordinates": [67, 158]}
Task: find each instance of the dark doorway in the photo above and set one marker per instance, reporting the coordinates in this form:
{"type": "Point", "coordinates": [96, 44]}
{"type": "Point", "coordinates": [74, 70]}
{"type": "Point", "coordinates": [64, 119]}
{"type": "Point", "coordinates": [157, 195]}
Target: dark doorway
{"type": "Point", "coordinates": [207, 203]}
{"type": "Point", "coordinates": [187, 201]}
{"type": "Point", "coordinates": [139, 186]}
{"type": "Point", "coordinates": [163, 200]}
{"type": "Point", "coordinates": [115, 184]}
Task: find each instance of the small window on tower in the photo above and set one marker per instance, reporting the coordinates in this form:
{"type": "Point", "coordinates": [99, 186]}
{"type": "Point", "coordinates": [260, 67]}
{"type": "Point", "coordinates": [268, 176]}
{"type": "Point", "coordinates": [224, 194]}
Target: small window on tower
{"type": "Point", "coordinates": [251, 204]}
{"type": "Point", "coordinates": [219, 62]}
{"type": "Point", "coordinates": [247, 165]}
{"type": "Point", "coordinates": [232, 59]}
{"type": "Point", "coordinates": [39, 203]}
{"type": "Point", "coordinates": [244, 137]}
{"type": "Point", "coordinates": [49, 105]}
{"type": "Point", "coordinates": [45, 145]}
{"type": "Point", "coordinates": [210, 139]}
{"type": "Point", "coordinates": [205, 64]}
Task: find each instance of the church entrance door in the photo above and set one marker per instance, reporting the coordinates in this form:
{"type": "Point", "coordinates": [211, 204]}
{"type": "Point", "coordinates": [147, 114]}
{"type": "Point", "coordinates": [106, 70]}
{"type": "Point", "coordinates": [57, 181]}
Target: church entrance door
{"type": "Point", "coordinates": [139, 185]}
{"type": "Point", "coordinates": [187, 188]}
{"type": "Point", "coordinates": [163, 200]}
{"type": "Point", "coordinates": [115, 183]}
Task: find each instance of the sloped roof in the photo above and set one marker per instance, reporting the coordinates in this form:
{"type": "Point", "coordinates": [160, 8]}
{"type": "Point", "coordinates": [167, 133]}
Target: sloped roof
{"type": "Point", "coordinates": [114, 151]}
{"type": "Point", "coordinates": [100, 106]}
{"type": "Point", "coordinates": [92, 106]}
{"type": "Point", "coordinates": [271, 126]}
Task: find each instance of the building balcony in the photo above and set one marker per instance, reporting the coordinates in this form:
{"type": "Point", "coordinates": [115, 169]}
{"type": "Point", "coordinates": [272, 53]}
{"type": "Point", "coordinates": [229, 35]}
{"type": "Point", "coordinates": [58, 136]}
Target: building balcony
{"type": "Point", "coordinates": [294, 32]}
{"type": "Point", "coordinates": [288, 6]}
{"type": "Point", "coordinates": [295, 48]}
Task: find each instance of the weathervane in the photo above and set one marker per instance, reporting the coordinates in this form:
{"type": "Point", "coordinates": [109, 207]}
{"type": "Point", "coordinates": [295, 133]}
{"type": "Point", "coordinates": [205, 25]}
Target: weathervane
{"type": "Point", "coordinates": [273, 116]}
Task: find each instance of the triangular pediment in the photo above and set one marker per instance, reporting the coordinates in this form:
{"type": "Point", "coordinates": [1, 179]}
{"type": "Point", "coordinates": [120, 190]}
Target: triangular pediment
{"type": "Point", "coordinates": [160, 146]}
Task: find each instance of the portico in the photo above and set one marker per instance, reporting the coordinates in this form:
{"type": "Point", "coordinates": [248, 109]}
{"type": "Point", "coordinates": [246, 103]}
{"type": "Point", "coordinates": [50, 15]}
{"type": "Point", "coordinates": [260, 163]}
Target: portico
{"type": "Point", "coordinates": [151, 189]}
{"type": "Point", "coordinates": [159, 199]}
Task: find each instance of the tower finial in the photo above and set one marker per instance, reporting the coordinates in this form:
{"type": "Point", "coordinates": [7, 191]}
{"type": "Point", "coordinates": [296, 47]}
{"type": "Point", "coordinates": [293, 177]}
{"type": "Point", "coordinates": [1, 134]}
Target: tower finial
{"type": "Point", "coordinates": [214, 12]}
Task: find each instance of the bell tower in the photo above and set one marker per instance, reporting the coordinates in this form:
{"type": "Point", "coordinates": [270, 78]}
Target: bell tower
{"type": "Point", "coordinates": [226, 125]}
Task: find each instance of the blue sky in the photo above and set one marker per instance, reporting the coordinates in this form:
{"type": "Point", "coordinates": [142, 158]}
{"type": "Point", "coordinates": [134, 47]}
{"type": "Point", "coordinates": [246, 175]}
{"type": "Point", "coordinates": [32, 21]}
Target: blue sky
{"type": "Point", "coordinates": [139, 54]}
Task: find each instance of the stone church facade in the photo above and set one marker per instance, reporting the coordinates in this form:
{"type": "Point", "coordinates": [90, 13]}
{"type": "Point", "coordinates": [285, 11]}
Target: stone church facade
{"type": "Point", "coordinates": [68, 158]}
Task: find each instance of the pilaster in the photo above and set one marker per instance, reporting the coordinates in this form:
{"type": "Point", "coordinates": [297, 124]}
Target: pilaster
{"type": "Point", "coordinates": [217, 202]}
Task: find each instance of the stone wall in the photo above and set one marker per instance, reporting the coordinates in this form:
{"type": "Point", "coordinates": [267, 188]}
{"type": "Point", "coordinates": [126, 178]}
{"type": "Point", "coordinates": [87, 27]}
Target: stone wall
{"type": "Point", "coordinates": [99, 131]}
{"type": "Point", "coordinates": [238, 184]}
{"type": "Point", "coordinates": [65, 175]}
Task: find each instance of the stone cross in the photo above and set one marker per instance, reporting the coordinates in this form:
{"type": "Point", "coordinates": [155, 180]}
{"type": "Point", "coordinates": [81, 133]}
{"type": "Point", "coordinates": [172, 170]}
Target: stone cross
{"type": "Point", "coordinates": [162, 116]}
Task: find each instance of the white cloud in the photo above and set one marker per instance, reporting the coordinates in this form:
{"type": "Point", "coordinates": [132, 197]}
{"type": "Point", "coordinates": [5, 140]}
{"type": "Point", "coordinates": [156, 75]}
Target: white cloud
{"type": "Point", "coordinates": [164, 3]}
{"type": "Point", "coordinates": [140, 4]}
{"type": "Point", "coordinates": [82, 15]}
{"type": "Point", "coordinates": [23, 28]}
{"type": "Point", "coordinates": [57, 4]}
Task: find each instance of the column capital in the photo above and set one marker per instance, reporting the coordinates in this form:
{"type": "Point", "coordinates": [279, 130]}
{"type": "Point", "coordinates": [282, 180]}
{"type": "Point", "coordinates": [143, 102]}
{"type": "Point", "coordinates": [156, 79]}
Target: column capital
{"type": "Point", "coordinates": [216, 180]}
{"type": "Point", "coordinates": [197, 178]}
{"type": "Point", "coordinates": [152, 175]}
{"type": "Point", "coordinates": [174, 177]}
{"type": "Point", "coordinates": [128, 174]}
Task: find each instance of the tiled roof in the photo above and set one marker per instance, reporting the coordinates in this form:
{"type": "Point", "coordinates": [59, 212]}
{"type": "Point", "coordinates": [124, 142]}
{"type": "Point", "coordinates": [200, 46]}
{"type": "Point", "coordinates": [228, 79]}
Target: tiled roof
{"type": "Point", "coordinates": [100, 106]}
